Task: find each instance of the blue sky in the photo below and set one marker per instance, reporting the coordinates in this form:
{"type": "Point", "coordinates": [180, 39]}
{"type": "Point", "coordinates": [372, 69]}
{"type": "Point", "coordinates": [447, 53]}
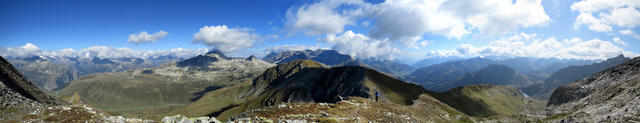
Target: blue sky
{"type": "Point", "coordinates": [385, 25]}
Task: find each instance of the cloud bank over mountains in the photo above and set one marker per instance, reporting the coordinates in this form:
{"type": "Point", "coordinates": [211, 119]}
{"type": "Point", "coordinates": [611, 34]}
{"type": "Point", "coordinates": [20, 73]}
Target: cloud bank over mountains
{"type": "Point", "coordinates": [529, 45]}
{"type": "Point", "coordinates": [30, 49]}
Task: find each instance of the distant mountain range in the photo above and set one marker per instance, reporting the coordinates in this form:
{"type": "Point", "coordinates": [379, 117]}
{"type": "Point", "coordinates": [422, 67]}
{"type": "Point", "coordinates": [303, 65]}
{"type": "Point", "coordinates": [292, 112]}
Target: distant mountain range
{"type": "Point", "coordinates": [493, 74]}
{"type": "Point", "coordinates": [50, 73]}
{"type": "Point", "coordinates": [611, 95]}
{"type": "Point", "coordinates": [171, 84]}
{"type": "Point", "coordinates": [334, 58]}
{"type": "Point", "coordinates": [567, 75]}
{"type": "Point", "coordinates": [440, 77]}
{"type": "Point", "coordinates": [327, 57]}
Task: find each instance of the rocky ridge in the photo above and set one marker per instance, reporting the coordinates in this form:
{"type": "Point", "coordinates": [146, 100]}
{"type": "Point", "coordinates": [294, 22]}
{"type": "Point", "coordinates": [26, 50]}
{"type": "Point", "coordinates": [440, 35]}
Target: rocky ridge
{"type": "Point", "coordinates": [607, 96]}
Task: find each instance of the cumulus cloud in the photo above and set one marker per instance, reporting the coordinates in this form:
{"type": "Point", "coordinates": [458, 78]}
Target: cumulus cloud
{"type": "Point", "coordinates": [97, 51]}
{"type": "Point", "coordinates": [281, 48]}
{"type": "Point", "coordinates": [144, 37]}
{"type": "Point", "coordinates": [321, 17]}
{"type": "Point", "coordinates": [527, 45]}
{"type": "Point", "coordinates": [360, 46]}
{"type": "Point", "coordinates": [403, 20]}
{"type": "Point", "coordinates": [225, 39]}
{"type": "Point", "coordinates": [618, 41]}
{"type": "Point", "coordinates": [620, 13]}
{"type": "Point", "coordinates": [628, 32]}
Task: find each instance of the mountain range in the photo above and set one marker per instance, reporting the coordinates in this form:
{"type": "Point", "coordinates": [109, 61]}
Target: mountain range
{"type": "Point", "coordinates": [567, 75]}
{"type": "Point", "coordinates": [492, 74]}
{"type": "Point", "coordinates": [334, 58]}
{"type": "Point", "coordinates": [214, 85]}
{"type": "Point", "coordinates": [51, 73]}
{"type": "Point", "coordinates": [307, 81]}
{"type": "Point", "coordinates": [168, 85]}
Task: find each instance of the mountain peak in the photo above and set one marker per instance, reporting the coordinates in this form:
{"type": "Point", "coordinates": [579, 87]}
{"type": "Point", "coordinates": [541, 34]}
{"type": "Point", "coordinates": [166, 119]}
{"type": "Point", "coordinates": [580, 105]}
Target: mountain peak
{"type": "Point", "coordinates": [251, 58]}
{"type": "Point", "coordinates": [620, 56]}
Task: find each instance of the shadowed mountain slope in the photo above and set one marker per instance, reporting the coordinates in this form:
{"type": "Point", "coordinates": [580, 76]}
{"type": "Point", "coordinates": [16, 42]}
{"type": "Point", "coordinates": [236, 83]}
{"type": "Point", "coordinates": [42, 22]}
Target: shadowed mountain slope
{"type": "Point", "coordinates": [303, 81]}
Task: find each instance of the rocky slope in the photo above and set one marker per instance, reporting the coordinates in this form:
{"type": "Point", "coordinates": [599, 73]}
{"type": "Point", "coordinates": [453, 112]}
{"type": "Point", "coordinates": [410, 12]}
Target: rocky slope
{"type": "Point", "coordinates": [612, 95]}
{"type": "Point", "coordinates": [302, 81]}
{"type": "Point", "coordinates": [17, 90]}
{"type": "Point", "coordinates": [356, 109]}
{"type": "Point", "coordinates": [569, 74]}
{"type": "Point", "coordinates": [149, 91]}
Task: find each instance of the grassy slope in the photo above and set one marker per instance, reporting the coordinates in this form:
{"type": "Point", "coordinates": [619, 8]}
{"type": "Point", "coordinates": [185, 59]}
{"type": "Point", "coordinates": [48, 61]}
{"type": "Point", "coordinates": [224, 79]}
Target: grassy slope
{"type": "Point", "coordinates": [489, 100]}
{"type": "Point", "coordinates": [233, 98]}
{"type": "Point", "coordinates": [142, 96]}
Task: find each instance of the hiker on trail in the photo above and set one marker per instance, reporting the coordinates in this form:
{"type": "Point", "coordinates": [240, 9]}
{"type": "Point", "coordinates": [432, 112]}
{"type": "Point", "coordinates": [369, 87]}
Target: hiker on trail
{"type": "Point", "coordinates": [377, 95]}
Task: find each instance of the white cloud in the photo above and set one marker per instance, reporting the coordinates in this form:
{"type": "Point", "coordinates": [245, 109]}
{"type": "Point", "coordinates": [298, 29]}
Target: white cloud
{"type": "Point", "coordinates": [621, 13]}
{"type": "Point", "coordinates": [527, 45]}
{"type": "Point", "coordinates": [97, 51]}
{"type": "Point", "coordinates": [402, 20]}
{"type": "Point", "coordinates": [28, 49]}
{"type": "Point", "coordinates": [628, 32]}
{"type": "Point", "coordinates": [321, 17]}
{"type": "Point", "coordinates": [144, 37]}
{"type": "Point", "coordinates": [618, 41]}
{"type": "Point", "coordinates": [281, 48]}
{"type": "Point", "coordinates": [360, 46]}
{"type": "Point", "coordinates": [225, 39]}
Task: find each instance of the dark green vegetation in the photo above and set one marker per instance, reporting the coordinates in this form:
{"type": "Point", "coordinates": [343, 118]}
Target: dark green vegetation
{"type": "Point", "coordinates": [302, 81]}
{"type": "Point", "coordinates": [607, 96]}
{"type": "Point", "coordinates": [489, 101]}
{"type": "Point", "coordinates": [567, 75]}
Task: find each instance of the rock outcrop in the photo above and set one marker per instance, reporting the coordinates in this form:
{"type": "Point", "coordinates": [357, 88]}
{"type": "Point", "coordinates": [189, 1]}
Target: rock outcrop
{"type": "Point", "coordinates": [18, 91]}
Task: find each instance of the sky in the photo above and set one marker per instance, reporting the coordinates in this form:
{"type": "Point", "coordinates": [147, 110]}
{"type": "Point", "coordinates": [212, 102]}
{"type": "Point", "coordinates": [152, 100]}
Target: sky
{"type": "Point", "coordinates": [406, 30]}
